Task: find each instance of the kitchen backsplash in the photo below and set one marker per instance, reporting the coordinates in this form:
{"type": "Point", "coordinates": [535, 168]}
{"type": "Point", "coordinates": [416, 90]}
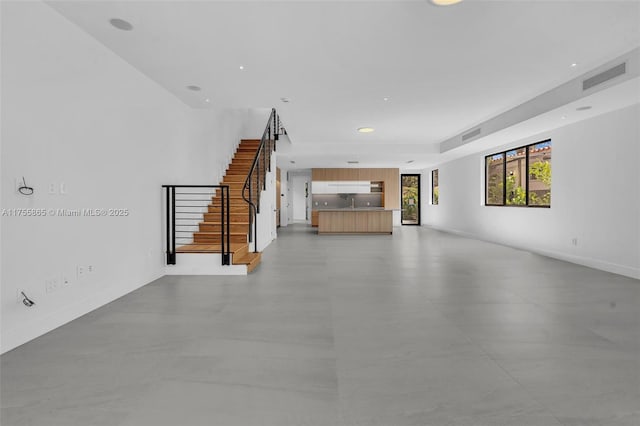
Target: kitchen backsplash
{"type": "Point", "coordinates": [343, 201]}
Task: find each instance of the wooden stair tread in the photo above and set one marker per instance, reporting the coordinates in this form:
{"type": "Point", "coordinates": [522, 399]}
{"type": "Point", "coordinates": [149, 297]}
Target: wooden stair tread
{"type": "Point", "coordinates": [252, 260]}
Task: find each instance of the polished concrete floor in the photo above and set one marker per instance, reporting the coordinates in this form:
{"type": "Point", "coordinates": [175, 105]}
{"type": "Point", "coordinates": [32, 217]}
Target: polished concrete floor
{"type": "Point", "coordinates": [418, 328]}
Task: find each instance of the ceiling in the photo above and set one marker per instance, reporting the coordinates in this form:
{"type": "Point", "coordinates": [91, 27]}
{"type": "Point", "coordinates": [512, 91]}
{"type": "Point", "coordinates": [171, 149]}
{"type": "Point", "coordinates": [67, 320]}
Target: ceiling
{"type": "Point", "coordinates": [443, 69]}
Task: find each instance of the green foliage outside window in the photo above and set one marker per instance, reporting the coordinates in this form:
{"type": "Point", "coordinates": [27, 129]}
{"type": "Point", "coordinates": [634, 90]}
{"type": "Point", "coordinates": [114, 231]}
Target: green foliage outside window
{"type": "Point", "coordinates": [541, 170]}
{"type": "Point", "coordinates": [516, 194]}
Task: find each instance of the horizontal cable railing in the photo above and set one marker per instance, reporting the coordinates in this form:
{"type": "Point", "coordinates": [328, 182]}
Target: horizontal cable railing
{"type": "Point", "coordinates": [256, 180]}
{"type": "Point", "coordinates": [186, 206]}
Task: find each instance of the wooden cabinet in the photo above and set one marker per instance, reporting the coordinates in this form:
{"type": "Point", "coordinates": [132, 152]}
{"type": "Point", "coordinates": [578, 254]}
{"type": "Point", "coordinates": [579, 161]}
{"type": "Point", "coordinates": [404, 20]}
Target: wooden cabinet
{"type": "Point", "coordinates": [392, 189]}
{"type": "Point", "coordinates": [318, 174]}
{"type": "Point", "coordinates": [314, 218]}
{"type": "Point", "coordinates": [355, 222]}
{"type": "Point", "coordinates": [390, 178]}
{"type": "Point", "coordinates": [366, 174]}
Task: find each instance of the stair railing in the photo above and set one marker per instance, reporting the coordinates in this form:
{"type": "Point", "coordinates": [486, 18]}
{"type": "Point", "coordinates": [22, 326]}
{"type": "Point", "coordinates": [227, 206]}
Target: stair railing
{"type": "Point", "coordinates": [256, 180]}
{"type": "Point", "coordinates": [185, 209]}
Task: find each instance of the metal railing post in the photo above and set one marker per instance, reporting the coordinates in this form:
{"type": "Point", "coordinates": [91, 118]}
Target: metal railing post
{"type": "Point", "coordinates": [228, 253]}
{"type": "Point", "coordinates": [170, 228]}
{"type": "Point", "coordinates": [171, 258]}
{"type": "Point", "coordinates": [222, 240]}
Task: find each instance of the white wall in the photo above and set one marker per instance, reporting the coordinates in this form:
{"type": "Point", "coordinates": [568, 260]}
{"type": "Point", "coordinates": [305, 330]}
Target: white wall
{"type": "Point", "coordinates": [595, 197]}
{"type": "Point", "coordinates": [284, 198]}
{"type": "Point", "coordinates": [76, 113]}
{"type": "Point", "coordinates": [299, 202]}
{"type": "Point", "coordinates": [266, 219]}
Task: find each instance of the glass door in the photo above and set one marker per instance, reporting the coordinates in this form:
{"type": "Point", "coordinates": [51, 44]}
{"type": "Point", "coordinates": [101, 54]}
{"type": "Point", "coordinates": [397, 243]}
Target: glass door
{"type": "Point", "coordinates": [410, 199]}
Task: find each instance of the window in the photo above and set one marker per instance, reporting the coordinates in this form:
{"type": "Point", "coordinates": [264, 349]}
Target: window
{"type": "Point", "coordinates": [434, 187]}
{"type": "Point", "coordinates": [540, 174]}
{"type": "Point", "coordinates": [495, 180]}
{"type": "Point", "coordinates": [516, 175]}
{"type": "Point", "coordinates": [519, 177]}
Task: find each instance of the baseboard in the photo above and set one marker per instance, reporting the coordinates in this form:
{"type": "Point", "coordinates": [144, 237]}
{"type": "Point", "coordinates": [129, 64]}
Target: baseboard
{"type": "Point", "coordinates": [599, 264]}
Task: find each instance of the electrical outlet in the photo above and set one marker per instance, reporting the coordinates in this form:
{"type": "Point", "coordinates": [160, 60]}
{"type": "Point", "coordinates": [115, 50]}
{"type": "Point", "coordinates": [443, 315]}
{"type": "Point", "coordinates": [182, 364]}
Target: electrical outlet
{"type": "Point", "coordinates": [53, 188]}
{"type": "Point", "coordinates": [64, 280]}
{"type": "Point", "coordinates": [80, 272]}
{"type": "Point", "coordinates": [90, 269]}
{"type": "Point", "coordinates": [574, 242]}
{"type": "Point", "coordinates": [51, 285]}
{"type": "Point", "coordinates": [63, 188]}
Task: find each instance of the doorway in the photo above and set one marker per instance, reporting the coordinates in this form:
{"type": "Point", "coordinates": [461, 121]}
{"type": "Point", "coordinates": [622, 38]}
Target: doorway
{"type": "Point", "coordinates": [410, 199]}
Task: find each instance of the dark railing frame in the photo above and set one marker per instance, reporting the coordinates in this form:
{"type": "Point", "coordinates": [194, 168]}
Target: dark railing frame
{"type": "Point", "coordinates": [170, 200]}
{"type": "Point", "coordinates": [250, 194]}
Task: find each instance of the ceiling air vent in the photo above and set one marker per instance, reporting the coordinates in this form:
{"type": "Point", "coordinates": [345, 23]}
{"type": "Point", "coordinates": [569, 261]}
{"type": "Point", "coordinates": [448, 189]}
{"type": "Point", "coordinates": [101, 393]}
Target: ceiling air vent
{"type": "Point", "coordinates": [471, 134]}
{"type": "Point", "coordinates": [604, 76]}
{"type": "Point", "coordinates": [353, 162]}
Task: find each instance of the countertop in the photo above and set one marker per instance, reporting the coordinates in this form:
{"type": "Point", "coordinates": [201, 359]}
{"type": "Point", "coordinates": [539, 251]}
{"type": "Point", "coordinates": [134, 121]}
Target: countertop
{"type": "Point", "coordinates": [356, 209]}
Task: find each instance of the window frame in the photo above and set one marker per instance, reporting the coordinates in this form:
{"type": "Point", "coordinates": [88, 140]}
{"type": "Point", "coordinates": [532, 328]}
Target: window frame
{"type": "Point", "coordinates": [504, 177]}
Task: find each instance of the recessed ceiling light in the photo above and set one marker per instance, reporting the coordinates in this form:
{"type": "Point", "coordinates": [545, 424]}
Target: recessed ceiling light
{"type": "Point", "coordinates": [292, 162]}
{"type": "Point", "coordinates": [207, 100]}
{"type": "Point", "coordinates": [285, 100]}
{"type": "Point", "coordinates": [385, 99]}
{"type": "Point", "coordinates": [194, 88]}
{"type": "Point", "coordinates": [366, 129]}
{"type": "Point", "coordinates": [563, 118]}
{"type": "Point", "coordinates": [445, 2]}
{"type": "Point", "coordinates": [583, 108]}
{"type": "Point", "coordinates": [121, 24]}
{"type": "Point", "coordinates": [410, 161]}
{"type": "Point", "coordinates": [573, 65]}
{"type": "Point", "coordinates": [241, 67]}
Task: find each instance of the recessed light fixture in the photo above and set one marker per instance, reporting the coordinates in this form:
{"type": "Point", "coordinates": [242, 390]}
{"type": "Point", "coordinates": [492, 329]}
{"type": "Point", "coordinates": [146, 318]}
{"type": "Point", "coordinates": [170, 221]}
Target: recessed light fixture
{"type": "Point", "coordinates": [445, 2]}
{"type": "Point", "coordinates": [121, 24]}
{"type": "Point", "coordinates": [366, 129]}
{"type": "Point", "coordinates": [573, 65]}
{"type": "Point", "coordinates": [563, 117]}
{"type": "Point", "coordinates": [285, 100]}
{"type": "Point", "coordinates": [385, 99]}
{"type": "Point", "coordinates": [241, 67]}
{"type": "Point", "coordinates": [292, 162]}
{"type": "Point", "coordinates": [207, 100]}
{"type": "Point", "coordinates": [410, 161]}
{"type": "Point", "coordinates": [194, 88]}
{"type": "Point", "coordinates": [583, 108]}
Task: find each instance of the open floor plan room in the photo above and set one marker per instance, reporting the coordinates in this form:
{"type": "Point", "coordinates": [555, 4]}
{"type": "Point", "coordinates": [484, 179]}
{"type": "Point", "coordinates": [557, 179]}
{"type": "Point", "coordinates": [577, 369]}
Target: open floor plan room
{"type": "Point", "coordinates": [418, 328]}
{"type": "Point", "coordinates": [320, 213]}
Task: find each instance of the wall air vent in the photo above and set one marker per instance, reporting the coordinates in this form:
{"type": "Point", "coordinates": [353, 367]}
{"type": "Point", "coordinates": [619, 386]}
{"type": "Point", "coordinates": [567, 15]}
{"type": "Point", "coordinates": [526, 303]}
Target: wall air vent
{"type": "Point", "coordinates": [604, 76]}
{"type": "Point", "coordinates": [471, 134]}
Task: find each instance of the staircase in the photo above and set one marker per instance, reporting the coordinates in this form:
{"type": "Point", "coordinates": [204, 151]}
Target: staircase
{"type": "Point", "coordinates": [207, 238]}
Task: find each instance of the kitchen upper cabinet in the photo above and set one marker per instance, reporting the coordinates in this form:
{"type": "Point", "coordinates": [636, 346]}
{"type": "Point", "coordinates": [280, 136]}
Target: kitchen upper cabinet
{"type": "Point", "coordinates": [389, 177]}
{"type": "Point", "coordinates": [341, 187]}
{"type": "Point", "coordinates": [318, 174]}
{"type": "Point", "coordinates": [320, 187]}
{"type": "Point", "coordinates": [367, 174]}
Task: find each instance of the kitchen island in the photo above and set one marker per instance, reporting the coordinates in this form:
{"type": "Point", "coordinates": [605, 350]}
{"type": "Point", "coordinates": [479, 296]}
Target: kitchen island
{"type": "Point", "coordinates": [355, 221]}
